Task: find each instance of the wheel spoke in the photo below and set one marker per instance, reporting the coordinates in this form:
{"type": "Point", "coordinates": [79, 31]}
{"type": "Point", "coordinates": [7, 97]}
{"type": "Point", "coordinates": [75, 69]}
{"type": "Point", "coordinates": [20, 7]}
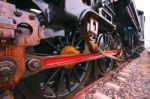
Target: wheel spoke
{"type": "Point", "coordinates": [80, 41]}
{"type": "Point", "coordinates": [20, 93]}
{"type": "Point", "coordinates": [68, 80]}
{"type": "Point", "coordinates": [94, 70]}
{"type": "Point", "coordinates": [54, 46]}
{"type": "Point", "coordinates": [82, 68]}
{"type": "Point", "coordinates": [101, 68]}
{"type": "Point", "coordinates": [106, 65]}
{"type": "Point", "coordinates": [73, 39]}
{"type": "Point", "coordinates": [46, 83]}
{"type": "Point", "coordinates": [59, 83]}
{"type": "Point", "coordinates": [106, 41]}
{"type": "Point", "coordinates": [60, 41]}
{"type": "Point", "coordinates": [103, 40]}
{"type": "Point", "coordinates": [67, 39]}
{"type": "Point", "coordinates": [76, 75]}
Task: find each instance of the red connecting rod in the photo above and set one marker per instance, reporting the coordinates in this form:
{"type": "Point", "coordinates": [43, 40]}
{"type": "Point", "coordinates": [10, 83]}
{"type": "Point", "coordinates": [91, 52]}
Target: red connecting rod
{"type": "Point", "coordinates": [58, 61]}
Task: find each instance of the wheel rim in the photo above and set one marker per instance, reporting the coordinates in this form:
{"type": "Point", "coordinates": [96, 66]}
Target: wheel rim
{"type": "Point", "coordinates": [59, 82]}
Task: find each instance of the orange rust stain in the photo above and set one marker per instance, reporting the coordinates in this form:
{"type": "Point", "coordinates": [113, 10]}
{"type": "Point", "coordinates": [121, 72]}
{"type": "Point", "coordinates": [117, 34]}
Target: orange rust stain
{"type": "Point", "coordinates": [18, 54]}
{"type": "Point", "coordinates": [94, 46]}
{"type": "Point", "coordinates": [69, 50]}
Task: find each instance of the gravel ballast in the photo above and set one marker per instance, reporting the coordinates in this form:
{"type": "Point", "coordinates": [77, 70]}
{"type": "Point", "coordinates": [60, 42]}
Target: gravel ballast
{"type": "Point", "coordinates": [132, 82]}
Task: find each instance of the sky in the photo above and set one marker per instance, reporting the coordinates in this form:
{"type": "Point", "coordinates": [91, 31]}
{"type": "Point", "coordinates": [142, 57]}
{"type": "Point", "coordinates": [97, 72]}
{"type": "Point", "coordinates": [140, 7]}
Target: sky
{"type": "Point", "coordinates": [144, 5]}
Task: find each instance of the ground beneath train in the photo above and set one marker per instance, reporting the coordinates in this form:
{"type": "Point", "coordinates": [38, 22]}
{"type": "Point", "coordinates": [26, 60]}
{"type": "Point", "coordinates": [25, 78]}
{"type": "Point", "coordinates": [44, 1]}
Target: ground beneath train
{"type": "Point", "coordinates": [132, 82]}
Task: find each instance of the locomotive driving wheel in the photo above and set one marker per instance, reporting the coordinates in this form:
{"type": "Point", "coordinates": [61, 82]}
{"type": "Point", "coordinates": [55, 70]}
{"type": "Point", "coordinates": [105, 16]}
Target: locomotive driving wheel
{"type": "Point", "coordinates": [57, 82]}
{"type": "Point", "coordinates": [119, 46]}
{"type": "Point", "coordinates": [105, 42]}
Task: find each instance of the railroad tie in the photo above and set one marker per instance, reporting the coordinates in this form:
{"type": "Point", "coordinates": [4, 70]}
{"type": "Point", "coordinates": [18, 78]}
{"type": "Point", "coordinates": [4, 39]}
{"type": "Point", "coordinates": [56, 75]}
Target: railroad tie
{"type": "Point", "coordinates": [121, 79]}
{"type": "Point", "coordinates": [124, 74]}
{"type": "Point", "coordinates": [99, 95]}
{"type": "Point", "coordinates": [114, 86]}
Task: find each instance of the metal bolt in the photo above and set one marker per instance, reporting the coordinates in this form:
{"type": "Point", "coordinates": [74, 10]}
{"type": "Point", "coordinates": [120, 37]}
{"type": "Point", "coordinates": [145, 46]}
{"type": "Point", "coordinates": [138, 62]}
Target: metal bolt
{"type": "Point", "coordinates": [32, 16]}
{"type": "Point", "coordinates": [5, 71]}
{"type": "Point", "coordinates": [34, 64]}
{"type": "Point", "coordinates": [18, 13]}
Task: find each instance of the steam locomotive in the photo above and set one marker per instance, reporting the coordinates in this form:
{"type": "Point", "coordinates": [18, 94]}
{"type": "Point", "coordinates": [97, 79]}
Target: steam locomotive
{"type": "Point", "coordinates": [51, 48]}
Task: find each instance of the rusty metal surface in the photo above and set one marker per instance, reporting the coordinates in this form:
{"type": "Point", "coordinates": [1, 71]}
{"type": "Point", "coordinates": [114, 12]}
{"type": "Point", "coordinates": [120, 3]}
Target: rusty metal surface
{"type": "Point", "coordinates": [10, 21]}
{"type": "Point", "coordinates": [14, 53]}
{"type": "Point", "coordinates": [106, 77]}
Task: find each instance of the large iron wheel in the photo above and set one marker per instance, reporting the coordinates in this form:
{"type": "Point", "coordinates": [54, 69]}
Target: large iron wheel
{"type": "Point", "coordinates": [57, 82]}
{"type": "Point", "coordinates": [105, 42]}
{"type": "Point", "coordinates": [118, 44]}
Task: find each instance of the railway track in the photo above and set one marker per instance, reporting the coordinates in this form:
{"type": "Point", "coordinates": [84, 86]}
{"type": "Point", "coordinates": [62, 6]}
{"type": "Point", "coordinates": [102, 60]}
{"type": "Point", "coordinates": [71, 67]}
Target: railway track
{"type": "Point", "coordinates": [105, 78]}
{"type": "Point", "coordinates": [127, 81]}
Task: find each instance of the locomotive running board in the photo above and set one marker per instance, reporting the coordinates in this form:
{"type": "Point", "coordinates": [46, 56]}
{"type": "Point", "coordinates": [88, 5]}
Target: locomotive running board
{"type": "Point", "coordinates": [60, 61]}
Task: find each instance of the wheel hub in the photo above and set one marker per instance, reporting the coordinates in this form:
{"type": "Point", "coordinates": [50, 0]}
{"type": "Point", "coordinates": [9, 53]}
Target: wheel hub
{"type": "Point", "coordinates": [7, 69]}
{"type": "Point", "coordinates": [69, 50]}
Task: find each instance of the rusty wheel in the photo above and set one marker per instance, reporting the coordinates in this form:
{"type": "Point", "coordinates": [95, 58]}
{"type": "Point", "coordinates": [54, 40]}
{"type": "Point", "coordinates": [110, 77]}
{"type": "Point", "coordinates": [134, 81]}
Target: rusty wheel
{"type": "Point", "coordinates": [58, 82]}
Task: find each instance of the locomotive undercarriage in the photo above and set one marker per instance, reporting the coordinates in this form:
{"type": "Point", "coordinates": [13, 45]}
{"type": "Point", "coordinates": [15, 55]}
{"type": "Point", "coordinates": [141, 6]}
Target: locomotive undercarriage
{"type": "Point", "coordinates": [49, 49]}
